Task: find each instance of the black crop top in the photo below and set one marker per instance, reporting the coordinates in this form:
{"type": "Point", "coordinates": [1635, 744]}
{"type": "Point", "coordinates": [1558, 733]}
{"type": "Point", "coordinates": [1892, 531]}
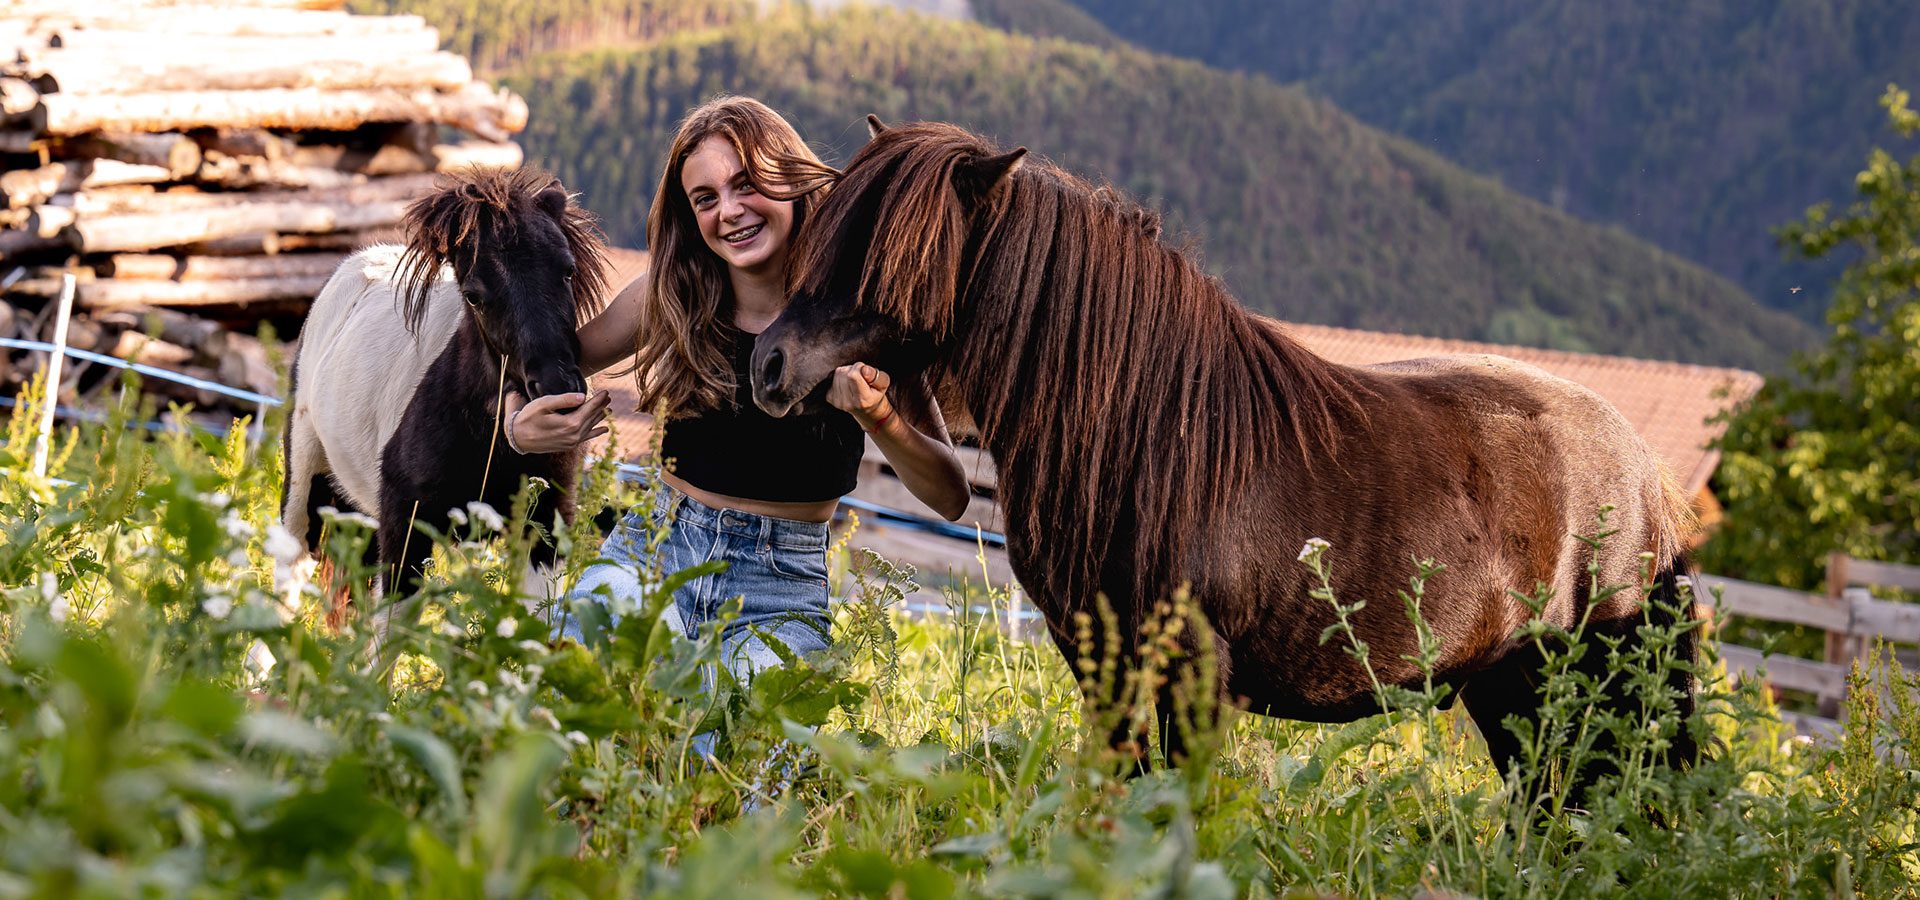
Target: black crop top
{"type": "Point", "coordinates": [743, 452]}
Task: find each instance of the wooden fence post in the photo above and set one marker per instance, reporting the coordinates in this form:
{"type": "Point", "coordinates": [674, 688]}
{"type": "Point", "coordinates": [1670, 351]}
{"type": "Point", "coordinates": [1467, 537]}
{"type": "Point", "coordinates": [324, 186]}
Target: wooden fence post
{"type": "Point", "coordinates": [1841, 646]}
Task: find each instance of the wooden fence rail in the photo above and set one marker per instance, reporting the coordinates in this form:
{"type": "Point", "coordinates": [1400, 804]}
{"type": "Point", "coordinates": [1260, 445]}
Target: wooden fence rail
{"type": "Point", "coordinates": [1848, 612]}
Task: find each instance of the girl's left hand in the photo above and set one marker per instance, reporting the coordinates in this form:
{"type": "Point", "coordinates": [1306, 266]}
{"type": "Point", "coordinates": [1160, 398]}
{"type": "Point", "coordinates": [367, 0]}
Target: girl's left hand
{"type": "Point", "coordinates": [861, 390]}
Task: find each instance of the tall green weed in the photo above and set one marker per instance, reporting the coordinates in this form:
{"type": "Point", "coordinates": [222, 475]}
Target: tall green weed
{"type": "Point", "coordinates": [178, 719]}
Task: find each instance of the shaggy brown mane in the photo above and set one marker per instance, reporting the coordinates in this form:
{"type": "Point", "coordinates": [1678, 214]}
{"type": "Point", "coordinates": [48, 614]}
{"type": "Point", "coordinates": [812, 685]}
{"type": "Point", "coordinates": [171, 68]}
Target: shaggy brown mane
{"type": "Point", "coordinates": [1074, 326]}
{"type": "Point", "coordinates": [475, 211]}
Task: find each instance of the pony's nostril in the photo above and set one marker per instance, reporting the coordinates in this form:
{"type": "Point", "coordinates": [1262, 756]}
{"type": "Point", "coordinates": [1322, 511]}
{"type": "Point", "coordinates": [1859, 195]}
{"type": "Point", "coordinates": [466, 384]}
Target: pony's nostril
{"type": "Point", "coordinates": [770, 374]}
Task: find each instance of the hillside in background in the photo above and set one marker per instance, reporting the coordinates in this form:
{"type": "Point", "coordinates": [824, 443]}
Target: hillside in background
{"type": "Point", "coordinates": [1700, 126]}
{"type": "Point", "coordinates": [1045, 18]}
{"type": "Point", "coordinates": [1305, 212]}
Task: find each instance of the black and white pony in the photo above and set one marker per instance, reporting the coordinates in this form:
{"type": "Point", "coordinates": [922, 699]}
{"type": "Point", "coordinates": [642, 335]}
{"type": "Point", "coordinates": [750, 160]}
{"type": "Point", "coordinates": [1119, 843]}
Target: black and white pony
{"type": "Point", "coordinates": [408, 351]}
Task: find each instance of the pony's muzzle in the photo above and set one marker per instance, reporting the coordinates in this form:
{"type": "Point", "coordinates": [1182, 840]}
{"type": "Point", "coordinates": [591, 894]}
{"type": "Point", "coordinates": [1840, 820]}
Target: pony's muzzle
{"type": "Point", "coordinates": [772, 368]}
{"type": "Point", "coordinates": [768, 368]}
{"type": "Point", "coordinates": [558, 381]}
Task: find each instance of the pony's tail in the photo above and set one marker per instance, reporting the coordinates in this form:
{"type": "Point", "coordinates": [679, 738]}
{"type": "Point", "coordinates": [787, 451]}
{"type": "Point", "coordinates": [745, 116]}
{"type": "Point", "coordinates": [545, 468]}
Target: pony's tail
{"type": "Point", "coordinates": [1668, 606]}
{"type": "Point", "coordinates": [286, 436]}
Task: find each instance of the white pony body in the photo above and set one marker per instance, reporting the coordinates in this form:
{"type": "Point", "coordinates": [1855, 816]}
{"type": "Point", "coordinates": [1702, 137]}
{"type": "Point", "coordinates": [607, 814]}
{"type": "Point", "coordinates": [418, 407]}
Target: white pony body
{"type": "Point", "coordinates": [357, 369]}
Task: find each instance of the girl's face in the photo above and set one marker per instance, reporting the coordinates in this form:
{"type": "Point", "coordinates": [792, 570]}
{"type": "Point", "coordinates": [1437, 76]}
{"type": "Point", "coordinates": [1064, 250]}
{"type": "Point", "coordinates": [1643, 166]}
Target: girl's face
{"type": "Point", "coordinates": [745, 228]}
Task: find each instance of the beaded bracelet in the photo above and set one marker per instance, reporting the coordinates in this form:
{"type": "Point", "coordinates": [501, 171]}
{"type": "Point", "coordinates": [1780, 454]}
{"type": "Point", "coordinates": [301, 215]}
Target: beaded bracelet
{"type": "Point", "coordinates": [509, 429]}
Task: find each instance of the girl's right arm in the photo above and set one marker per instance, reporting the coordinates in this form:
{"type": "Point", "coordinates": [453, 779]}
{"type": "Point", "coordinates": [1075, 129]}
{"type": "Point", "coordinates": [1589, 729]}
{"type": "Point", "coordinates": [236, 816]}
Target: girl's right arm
{"type": "Point", "coordinates": [609, 338]}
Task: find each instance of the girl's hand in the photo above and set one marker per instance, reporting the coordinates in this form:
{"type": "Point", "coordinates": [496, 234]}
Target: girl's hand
{"type": "Point", "coordinates": [555, 423]}
{"type": "Point", "coordinates": [861, 390]}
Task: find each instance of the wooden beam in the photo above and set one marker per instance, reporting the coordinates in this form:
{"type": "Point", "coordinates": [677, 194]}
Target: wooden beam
{"type": "Point", "coordinates": [1824, 679]}
{"type": "Point", "coordinates": [93, 204]}
{"type": "Point", "coordinates": [329, 64]}
{"type": "Point", "coordinates": [933, 554]}
{"type": "Point", "coordinates": [976, 464]}
{"type": "Point", "coordinates": [238, 292]}
{"type": "Point", "coordinates": [153, 231]}
{"type": "Point", "coordinates": [31, 187]}
{"type": "Point", "coordinates": [210, 19]}
{"type": "Point", "coordinates": [477, 155]}
{"type": "Point", "coordinates": [474, 108]}
{"type": "Point", "coordinates": [1898, 576]}
{"type": "Point", "coordinates": [139, 44]}
{"type": "Point", "coordinates": [172, 151]}
{"type": "Point", "coordinates": [17, 98]}
{"type": "Point", "coordinates": [1774, 604]}
{"type": "Point", "coordinates": [888, 491]}
{"type": "Point", "coordinates": [1884, 619]}
{"type": "Point", "coordinates": [163, 267]}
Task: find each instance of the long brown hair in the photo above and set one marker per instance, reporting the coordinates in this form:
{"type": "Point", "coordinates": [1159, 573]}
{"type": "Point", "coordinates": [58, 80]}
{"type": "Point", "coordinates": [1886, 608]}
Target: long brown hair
{"type": "Point", "coordinates": [1064, 314]}
{"type": "Point", "coordinates": [681, 362]}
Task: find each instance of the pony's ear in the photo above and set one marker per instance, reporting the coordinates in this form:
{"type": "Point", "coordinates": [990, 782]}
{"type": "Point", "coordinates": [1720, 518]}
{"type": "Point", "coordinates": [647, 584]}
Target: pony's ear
{"type": "Point", "coordinates": [874, 126]}
{"type": "Point", "coordinates": [976, 177]}
{"type": "Point", "coordinates": [553, 201]}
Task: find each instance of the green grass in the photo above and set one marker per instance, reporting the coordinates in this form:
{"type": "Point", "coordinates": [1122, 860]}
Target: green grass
{"type": "Point", "coordinates": [145, 750]}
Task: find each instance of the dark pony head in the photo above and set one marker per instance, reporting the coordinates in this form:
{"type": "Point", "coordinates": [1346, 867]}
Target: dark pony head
{"type": "Point", "coordinates": [1126, 397]}
{"type": "Point", "coordinates": [876, 278]}
{"type": "Point", "coordinates": [530, 263]}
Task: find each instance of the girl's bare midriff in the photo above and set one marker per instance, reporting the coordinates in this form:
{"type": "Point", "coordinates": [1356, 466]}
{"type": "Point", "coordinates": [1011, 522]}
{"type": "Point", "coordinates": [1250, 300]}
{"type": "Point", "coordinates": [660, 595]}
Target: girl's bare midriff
{"type": "Point", "coordinates": [810, 511]}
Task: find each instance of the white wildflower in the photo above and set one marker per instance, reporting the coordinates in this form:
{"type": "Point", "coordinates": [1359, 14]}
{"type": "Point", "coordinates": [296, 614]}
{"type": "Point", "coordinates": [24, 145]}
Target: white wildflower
{"type": "Point", "coordinates": [544, 716]}
{"type": "Point", "coordinates": [294, 579]}
{"type": "Point", "coordinates": [577, 737]}
{"type": "Point", "coordinates": [382, 718]}
{"type": "Point", "coordinates": [1313, 548]}
{"type": "Point", "coordinates": [236, 525]}
{"type": "Point", "coordinates": [513, 682]}
{"type": "Point", "coordinates": [237, 558]}
{"type": "Point", "coordinates": [486, 516]}
{"type": "Point", "coordinates": [58, 606]}
{"type": "Point", "coordinates": [457, 516]}
{"type": "Point", "coordinates": [217, 499]}
{"type": "Point", "coordinates": [217, 606]}
{"type": "Point", "coordinates": [477, 686]}
{"type": "Point", "coordinates": [49, 721]}
{"type": "Point", "coordinates": [533, 647]}
{"type": "Point", "coordinates": [452, 629]}
{"type": "Point", "coordinates": [282, 545]}
{"type": "Point", "coordinates": [507, 627]}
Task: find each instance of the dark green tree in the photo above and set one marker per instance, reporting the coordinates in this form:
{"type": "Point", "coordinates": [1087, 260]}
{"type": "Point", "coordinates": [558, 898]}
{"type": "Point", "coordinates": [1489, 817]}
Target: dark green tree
{"type": "Point", "coordinates": [1829, 459]}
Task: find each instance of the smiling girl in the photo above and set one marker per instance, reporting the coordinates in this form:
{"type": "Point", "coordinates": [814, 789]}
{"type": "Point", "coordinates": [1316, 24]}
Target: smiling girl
{"type": "Point", "coordinates": [743, 487]}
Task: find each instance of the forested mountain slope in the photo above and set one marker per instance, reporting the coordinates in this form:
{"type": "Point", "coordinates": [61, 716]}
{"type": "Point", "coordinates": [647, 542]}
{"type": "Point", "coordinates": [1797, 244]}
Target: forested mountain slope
{"type": "Point", "coordinates": [1305, 212]}
{"type": "Point", "coordinates": [1700, 126]}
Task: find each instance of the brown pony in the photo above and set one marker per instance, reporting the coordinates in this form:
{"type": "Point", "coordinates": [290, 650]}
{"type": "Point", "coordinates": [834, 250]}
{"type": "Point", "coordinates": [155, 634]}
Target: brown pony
{"type": "Point", "coordinates": [1150, 433]}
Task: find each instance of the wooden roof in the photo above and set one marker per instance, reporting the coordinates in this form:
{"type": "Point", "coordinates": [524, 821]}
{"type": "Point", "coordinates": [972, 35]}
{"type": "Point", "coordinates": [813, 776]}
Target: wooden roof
{"type": "Point", "coordinates": [1668, 403]}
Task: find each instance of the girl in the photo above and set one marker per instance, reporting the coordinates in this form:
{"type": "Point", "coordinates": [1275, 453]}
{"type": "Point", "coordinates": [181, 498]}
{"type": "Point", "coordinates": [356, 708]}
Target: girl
{"type": "Point", "coordinates": [754, 491]}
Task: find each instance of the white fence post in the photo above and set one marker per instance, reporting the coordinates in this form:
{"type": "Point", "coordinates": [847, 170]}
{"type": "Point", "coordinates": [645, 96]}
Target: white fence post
{"type": "Point", "coordinates": [52, 382]}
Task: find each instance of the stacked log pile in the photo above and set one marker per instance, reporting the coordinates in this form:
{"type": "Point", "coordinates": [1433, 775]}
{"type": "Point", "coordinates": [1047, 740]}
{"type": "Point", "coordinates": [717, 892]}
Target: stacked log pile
{"type": "Point", "coordinates": [214, 161]}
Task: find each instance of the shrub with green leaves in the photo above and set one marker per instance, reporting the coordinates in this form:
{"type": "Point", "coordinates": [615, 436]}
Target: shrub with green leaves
{"type": "Point", "coordinates": [178, 719]}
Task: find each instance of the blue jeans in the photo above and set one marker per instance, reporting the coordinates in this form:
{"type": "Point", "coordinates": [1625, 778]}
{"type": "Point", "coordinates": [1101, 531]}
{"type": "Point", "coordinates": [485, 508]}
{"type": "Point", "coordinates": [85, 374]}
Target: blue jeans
{"type": "Point", "coordinates": [777, 567]}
